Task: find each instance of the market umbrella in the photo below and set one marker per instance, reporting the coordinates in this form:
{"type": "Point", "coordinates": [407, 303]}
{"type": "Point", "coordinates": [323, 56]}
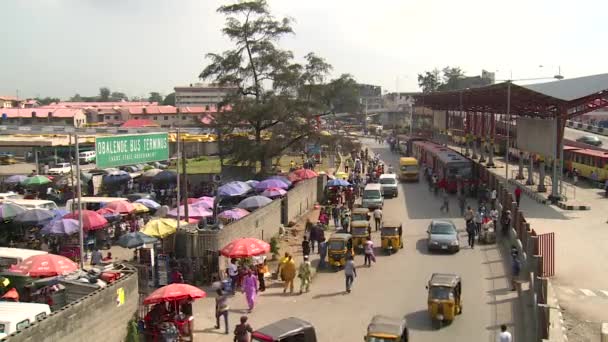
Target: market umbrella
{"type": "Point", "coordinates": [165, 177]}
{"type": "Point", "coordinates": [44, 265]}
{"type": "Point", "coordinates": [35, 217]}
{"type": "Point", "coordinates": [108, 213]}
{"type": "Point", "coordinates": [342, 175]}
{"type": "Point", "coordinates": [59, 213]}
{"type": "Point", "coordinates": [191, 200]}
{"type": "Point", "coordinates": [35, 180]}
{"type": "Point", "coordinates": [193, 211]}
{"type": "Point", "coordinates": [140, 208]}
{"type": "Point", "coordinates": [16, 179]}
{"type": "Point", "coordinates": [245, 247]}
{"type": "Point", "coordinates": [174, 292]}
{"type": "Point", "coordinates": [149, 174]}
{"type": "Point", "coordinates": [233, 214]}
{"type": "Point", "coordinates": [254, 202]}
{"type": "Point", "coordinates": [161, 227]}
{"type": "Point", "coordinates": [283, 179]}
{"type": "Point", "coordinates": [134, 240]}
{"type": "Point", "coordinates": [116, 177]}
{"type": "Point", "coordinates": [203, 204]}
{"type": "Point", "coordinates": [271, 183]}
{"type": "Point", "coordinates": [148, 203]}
{"type": "Point", "coordinates": [252, 182]}
{"type": "Point", "coordinates": [122, 207]}
{"type": "Point", "coordinates": [273, 192]}
{"type": "Point", "coordinates": [8, 210]}
{"type": "Point", "coordinates": [90, 219]}
{"type": "Point", "coordinates": [234, 189]}
{"type": "Point", "coordinates": [338, 182]}
{"type": "Point", "coordinates": [305, 173]}
{"type": "Point", "coordinates": [292, 177]}
{"type": "Point", "coordinates": [206, 199]}
{"type": "Point", "coordinates": [61, 227]}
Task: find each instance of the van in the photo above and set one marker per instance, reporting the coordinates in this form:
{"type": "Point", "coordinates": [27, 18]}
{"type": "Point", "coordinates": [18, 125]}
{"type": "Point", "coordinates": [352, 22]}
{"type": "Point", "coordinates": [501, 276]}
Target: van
{"type": "Point", "coordinates": [86, 157]}
{"type": "Point", "coordinates": [35, 204]}
{"type": "Point", "coordinates": [12, 256]}
{"type": "Point", "coordinates": [372, 196]}
{"type": "Point", "coordinates": [409, 169]}
{"type": "Point", "coordinates": [91, 203]}
{"type": "Point", "coordinates": [389, 185]}
{"type": "Point", "coordinates": [16, 316]}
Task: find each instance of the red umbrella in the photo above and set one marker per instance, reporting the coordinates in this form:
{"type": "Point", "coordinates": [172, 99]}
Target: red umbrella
{"type": "Point", "coordinates": [90, 219]}
{"type": "Point", "coordinates": [122, 207]}
{"type": "Point", "coordinates": [174, 292]}
{"type": "Point", "coordinates": [245, 247]}
{"type": "Point", "coordinates": [107, 211]}
{"type": "Point", "coordinates": [292, 177]}
{"type": "Point", "coordinates": [192, 200]}
{"type": "Point", "coordinates": [305, 173]}
{"type": "Point", "coordinates": [44, 265]}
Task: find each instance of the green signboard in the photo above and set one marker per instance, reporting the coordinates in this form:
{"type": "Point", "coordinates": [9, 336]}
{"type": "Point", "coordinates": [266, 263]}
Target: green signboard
{"type": "Point", "coordinates": [118, 150]}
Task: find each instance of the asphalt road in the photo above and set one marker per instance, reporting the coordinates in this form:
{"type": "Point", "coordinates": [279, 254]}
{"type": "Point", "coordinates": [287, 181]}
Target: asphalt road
{"type": "Point", "coordinates": [573, 134]}
{"type": "Point", "coordinates": [394, 286]}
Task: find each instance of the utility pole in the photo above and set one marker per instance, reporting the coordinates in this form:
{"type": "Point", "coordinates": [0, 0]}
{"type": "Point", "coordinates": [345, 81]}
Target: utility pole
{"type": "Point", "coordinates": [79, 194]}
{"type": "Point", "coordinates": [185, 183]}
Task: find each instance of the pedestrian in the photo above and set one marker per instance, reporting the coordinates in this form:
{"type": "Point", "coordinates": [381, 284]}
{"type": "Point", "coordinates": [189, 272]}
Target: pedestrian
{"type": "Point", "coordinates": [506, 222]}
{"type": "Point", "coordinates": [504, 335]}
{"type": "Point", "coordinates": [515, 268]}
{"type": "Point", "coordinates": [517, 195]}
{"type": "Point", "coordinates": [335, 213]}
{"type": "Point", "coordinates": [346, 222]}
{"type": "Point", "coordinates": [493, 195]}
{"type": "Point", "coordinates": [305, 247]}
{"type": "Point", "coordinates": [435, 182]}
{"type": "Point", "coordinates": [575, 175]}
{"type": "Point", "coordinates": [606, 188]}
{"type": "Point", "coordinates": [469, 215]}
{"type": "Point", "coordinates": [221, 309]}
{"type": "Point", "coordinates": [446, 202]}
{"type": "Point", "coordinates": [305, 275]}
{"type": "Point", "coordinates": [378, 218]}
{"type": "Point", "coordinates": [250, 288]}
{"type": "Point", "coordinates": [315, 233]}
{"type": "Point", "coordinates": [369, 252]}
{"type": "Point", "coordinates": [322, 252]}
{"type": "Point", "coordinates": [242, 331]}
{"type": "Point", "coordinates": [462, 203]}
{"type": "Point", "coordinates": [471, 234]}
{"type": "Point", "coordinates": [288, 273]}
{"type": "Point", "coordinates": [350, 272]}
{"type": "Point", "coordinates": [233, 273]}
{"type": "Point", "coordinates": [478, 219]}
{"type": "Point", "coordinates": [262, 270]}
{"type": "Point", "coordinates": [494, 217]}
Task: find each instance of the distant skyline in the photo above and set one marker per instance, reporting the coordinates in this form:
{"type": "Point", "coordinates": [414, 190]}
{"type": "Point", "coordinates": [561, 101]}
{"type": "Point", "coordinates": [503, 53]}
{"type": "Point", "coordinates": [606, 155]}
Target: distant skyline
{"type": "Point", "coordinates": [59, 48]}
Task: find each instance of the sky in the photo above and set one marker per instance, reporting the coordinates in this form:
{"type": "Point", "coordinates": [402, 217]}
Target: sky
{"type": "Point", "coordinates": [62, 47]}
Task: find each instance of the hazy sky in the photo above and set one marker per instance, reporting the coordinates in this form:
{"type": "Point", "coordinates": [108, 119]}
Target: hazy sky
{"type": "Point", "coordinates": [63, 47]}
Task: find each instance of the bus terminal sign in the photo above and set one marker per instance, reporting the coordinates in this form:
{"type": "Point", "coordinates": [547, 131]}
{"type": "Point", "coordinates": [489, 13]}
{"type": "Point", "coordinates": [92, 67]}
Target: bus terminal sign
{"type": "Point", "coordinates": [118, 150]}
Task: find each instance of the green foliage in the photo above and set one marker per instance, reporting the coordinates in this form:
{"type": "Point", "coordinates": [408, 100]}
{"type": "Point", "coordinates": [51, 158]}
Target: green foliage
{"type": "Point", "coordinates": [155, 97]}
{"type": "Point", "coordinates": [447, 79]}
{"type": "Point", "coordinates": [274, 246]}
{"type": "Point", "coordinates": [47, 100]}
{"type": "Point", "coordinates": [429, 81]}
{"type": "Point", "coordinates": [169, 100]}
{"type": "Point", "coordinates": [132, 331]}
{"type": "Point", "coordinates": [104, 94]}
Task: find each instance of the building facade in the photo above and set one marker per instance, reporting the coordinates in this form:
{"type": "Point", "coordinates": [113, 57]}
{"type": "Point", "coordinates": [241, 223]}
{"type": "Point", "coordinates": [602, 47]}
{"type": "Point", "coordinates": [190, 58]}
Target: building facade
{"type": "Point", "coordinates": [43, 116]}
{"type": "Point", "coordinates": [370, 96]}
{"type": "Point", "coordinates": [201, 95]}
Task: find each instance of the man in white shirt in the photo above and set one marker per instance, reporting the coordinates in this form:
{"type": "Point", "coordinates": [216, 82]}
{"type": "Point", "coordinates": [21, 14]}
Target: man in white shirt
{"type": "Point", "coordinates": [233, 273]}
{"type": "Point", "coordinates": [493, 198]}
{"type": "Point", "coordinates": [378, 218]}
{"type": "Point", "coordinates": [504, 335]}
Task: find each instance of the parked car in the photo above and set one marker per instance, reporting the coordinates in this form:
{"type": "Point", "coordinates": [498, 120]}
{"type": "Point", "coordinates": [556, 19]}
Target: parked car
{"type": "Point", "coordinates": [443, 236]}
{"type": "Point", "coordinates": [60, 169]}
{"type": "Point", "coordinates": [590, 140]}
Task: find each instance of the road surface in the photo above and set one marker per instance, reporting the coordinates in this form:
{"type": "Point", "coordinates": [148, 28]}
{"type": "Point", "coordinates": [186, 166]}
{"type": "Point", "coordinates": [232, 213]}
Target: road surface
{"type": "Point", "coordinates": [394, 286]}
{"type": "Point", "coordinates": [573, 134]}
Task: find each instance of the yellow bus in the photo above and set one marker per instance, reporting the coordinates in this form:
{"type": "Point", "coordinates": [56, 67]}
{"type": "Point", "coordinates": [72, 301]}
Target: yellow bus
{"type": "Point", "coordinates": [408, 169]}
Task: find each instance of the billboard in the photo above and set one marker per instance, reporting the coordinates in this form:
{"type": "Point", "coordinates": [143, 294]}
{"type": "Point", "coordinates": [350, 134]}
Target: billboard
{"type": "Point", "coordinates": [537, 136]}
{"type": "Point", "coordinates": [118, 150]}
{"type": "Point", "coordinates": [440, 119]}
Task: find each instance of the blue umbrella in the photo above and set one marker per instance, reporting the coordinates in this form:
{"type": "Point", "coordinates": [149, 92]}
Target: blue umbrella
{"type": "Point", "coordinates": [338, 182]}
{"type": "Point", "coordinates": [59, 213]}
{"type": "Point", "coordinates": [283, 179]}
{"type": "Point", "coordinates": [148, 203]}
{"type": "Point", "coordinates": [234, 189]}
{"type": "Point", "coordinates": [16, 179]}
{"type": "Point", "coordinates": [271, 183]}
{"type": "Point", "coordinates": [134, 240]}
{"type": "Point", "coordinates": [35, 216]}
{"type": "Point", "coordinates": [61, 227]}
{"type": "Point", "coordinates": [252, 182]}
{"type": "Point", "coordinates": [165, 177]}
{"type": "Point", "coordinates": [115, 177]}
{"type": "Point", "coordinates": [254, 202]}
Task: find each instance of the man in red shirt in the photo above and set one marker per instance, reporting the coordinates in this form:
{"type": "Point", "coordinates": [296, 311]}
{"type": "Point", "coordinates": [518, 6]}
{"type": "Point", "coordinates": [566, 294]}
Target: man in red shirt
{"type": "Point", "coordinates": [517, 195]}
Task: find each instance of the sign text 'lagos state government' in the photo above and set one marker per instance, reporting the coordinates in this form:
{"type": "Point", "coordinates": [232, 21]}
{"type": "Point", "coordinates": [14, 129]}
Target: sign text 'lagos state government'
{"type": "Point", "coordinates": [120, 150]}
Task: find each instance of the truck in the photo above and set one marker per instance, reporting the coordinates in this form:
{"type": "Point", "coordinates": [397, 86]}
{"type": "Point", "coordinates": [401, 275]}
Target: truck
{"type": "Point", "coordinates": [60, 169]}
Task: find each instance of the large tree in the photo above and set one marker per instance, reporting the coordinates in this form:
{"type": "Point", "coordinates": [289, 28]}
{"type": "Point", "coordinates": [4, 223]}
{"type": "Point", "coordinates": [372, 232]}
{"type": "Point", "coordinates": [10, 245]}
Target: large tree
{"type": "Point", "coordinates": [169, 100]}
{"type": "Point", "coordinates": [448, 79]}
{"type": "Point", "coordinates": [104, 94]}
{"type": "Point", "coordinates": [47, 100]}
{"type": "Point", "coordinates": [276, 103]}
{"type": "Point", "coordinates": [429, 81]}
{"type": "Point", "coordinates": [155, 97]}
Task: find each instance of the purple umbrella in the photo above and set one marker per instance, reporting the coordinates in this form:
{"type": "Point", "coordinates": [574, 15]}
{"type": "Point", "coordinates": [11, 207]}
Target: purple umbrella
{"type": "Point", "coordinates": [273, 192]}
{"type": "Point", "coordinates": [254, 202]}
{"type": "Point", "coordinates": [252, 182]}
{"type": "Point", "coordinates": [61, 227]}
{"type": "Point", "coordinates": [283, 179]}
{"type": "Point", "coordinates": [271, 183]}
{"type": "Point", "coordinates": [192, 212]}
{"type": "Point", "coordinates": [16, 179]}
{"type": "Point", "coordinates": [234, 189]}
{"type": "Point", "coordinates": [233, 214]}
{"type": "Point", "coordinates": [207, 199]}
{"type": "Point", "coordinates": [203, 204]}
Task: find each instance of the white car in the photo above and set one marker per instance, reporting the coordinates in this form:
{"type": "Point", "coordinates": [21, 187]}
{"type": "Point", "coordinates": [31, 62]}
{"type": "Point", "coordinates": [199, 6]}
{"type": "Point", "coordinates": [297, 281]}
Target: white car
{"type": "Point", "coordinates": [60, 169]}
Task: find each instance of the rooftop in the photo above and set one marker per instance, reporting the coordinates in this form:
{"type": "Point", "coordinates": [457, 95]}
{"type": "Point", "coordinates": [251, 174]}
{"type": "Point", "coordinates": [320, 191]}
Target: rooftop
{"type": "Point", "coordinates": [40, 112]}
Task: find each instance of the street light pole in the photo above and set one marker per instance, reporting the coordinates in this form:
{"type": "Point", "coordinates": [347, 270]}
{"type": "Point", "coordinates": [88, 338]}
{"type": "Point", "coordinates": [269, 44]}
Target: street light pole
{"type": "Point", "coordinates": [508, 125]}
{"type": "Point", "coordinates": [79, 200]}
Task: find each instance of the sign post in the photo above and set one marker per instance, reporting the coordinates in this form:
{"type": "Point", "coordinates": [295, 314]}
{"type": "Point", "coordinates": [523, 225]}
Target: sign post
{"type": "Point", "coordinates": [118, 150]}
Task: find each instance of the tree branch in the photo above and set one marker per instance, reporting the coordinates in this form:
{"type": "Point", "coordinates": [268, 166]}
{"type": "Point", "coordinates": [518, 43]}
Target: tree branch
{"type": "Point", "coordinates": [253, 70]}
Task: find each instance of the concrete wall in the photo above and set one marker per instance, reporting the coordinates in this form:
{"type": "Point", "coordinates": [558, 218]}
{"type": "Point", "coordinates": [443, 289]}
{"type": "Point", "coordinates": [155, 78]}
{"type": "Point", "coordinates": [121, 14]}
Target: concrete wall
{"type": "Point", "coordinates": [261, 224]}
{"type": "Point", "coordinates": [301, 199]}
{"type": "Point", "coordinates": [95, 317]}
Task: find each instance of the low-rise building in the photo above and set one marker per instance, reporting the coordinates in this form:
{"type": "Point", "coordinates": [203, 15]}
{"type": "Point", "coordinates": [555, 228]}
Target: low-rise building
{"type": "Point", "coordinates": [201, 95]}
{"type": "Point", "coordinates": [169, 116]}
{"type": "Point", "coordinates": [74, 117]}
{"type": "Point", "coordinates": [9, 102]}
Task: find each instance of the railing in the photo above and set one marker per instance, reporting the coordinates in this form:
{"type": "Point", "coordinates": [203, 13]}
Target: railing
{"type": "Point", "coordinates": [567, 191]}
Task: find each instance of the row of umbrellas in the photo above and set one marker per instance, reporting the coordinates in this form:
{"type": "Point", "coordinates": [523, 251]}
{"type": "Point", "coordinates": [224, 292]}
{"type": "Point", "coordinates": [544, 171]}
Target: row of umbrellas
{"type": "Point", "coordinates": [28, 181]}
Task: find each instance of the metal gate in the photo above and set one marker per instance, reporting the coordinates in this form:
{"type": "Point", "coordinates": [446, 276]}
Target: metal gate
{"type": "Point", "coordinates": [546, 248]}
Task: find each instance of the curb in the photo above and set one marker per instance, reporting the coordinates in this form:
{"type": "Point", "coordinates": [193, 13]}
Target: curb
{"type": "Point", "coordinates": [573, 207]}
{"type": "Point", "coordinates": [531, 193]}
{"type": "Point", "coordinates": [557, 328]}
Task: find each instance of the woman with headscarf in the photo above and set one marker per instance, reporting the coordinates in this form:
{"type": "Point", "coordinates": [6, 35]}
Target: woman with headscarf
{"type": "Point", "coordinates": [250, 287]}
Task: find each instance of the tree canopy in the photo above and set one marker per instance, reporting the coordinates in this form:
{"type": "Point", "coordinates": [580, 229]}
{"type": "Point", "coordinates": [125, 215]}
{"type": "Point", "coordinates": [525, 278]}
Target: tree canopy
{"type": "Point", "coordinates": [278, 100]}
{"type": "Point", "coordinates": [155, 97]}
{"type": "Point", "coordinates": [169, 100]}
{"type": "Point", "coordinates": [444, 80]}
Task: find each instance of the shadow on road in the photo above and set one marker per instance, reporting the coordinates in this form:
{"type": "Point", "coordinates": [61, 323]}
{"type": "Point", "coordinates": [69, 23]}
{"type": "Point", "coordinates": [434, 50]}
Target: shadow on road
{"type": "Point", "coordinates": [419, 320]}
{"type": "Point", "coordinates": [211, 330]}
{"type": "Point", "coordinates": [326, 295]}
{"type": "Point", "coordinates": [421, 246]}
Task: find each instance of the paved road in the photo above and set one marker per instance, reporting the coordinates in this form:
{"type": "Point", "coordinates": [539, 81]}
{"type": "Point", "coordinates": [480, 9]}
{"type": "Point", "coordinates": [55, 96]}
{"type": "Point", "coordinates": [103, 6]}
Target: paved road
{"type": "Point", "coordinates": [395, 285]}
{"type": "Point", "coordinates": [573, 134]}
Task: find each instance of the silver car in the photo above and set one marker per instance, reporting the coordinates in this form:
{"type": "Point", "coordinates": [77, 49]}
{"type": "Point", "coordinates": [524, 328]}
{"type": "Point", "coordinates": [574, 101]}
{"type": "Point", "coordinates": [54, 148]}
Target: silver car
{"type": "Point", "coordinates": [443, 236]}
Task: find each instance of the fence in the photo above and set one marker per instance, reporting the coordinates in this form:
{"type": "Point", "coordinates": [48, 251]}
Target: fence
{"type": "Point", "coordinates": [536, 253]}
{"type": "Point", "coordinates": [586, 127]}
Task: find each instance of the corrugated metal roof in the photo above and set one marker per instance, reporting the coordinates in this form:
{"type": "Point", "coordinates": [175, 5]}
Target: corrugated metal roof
{"type": "Point", "coordinates": [573, 88]}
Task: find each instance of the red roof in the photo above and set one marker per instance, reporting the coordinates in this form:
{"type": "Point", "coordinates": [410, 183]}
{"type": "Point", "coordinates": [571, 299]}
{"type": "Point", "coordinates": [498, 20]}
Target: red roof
{"type": "Point", "coordinates": [105, 104]}
{"type": "Point", "coordinates": [40, 112]}
{"type": "Point", "coordinates": [155, 110]}
{"type": "Point", "coordinates": [8, 98]}
{"type": "Point", "coordinates": [136, 123]}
